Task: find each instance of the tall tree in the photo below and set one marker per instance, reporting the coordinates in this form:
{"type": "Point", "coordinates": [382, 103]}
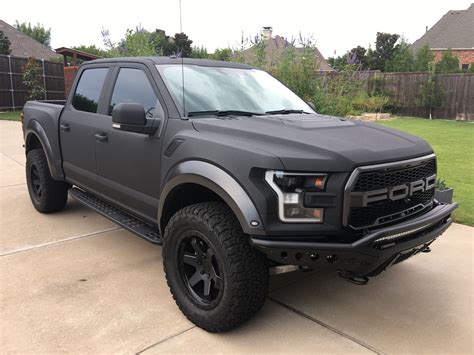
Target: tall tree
{"type": "Point", "coordinates": [424, 56]}
{"type": "Point", "coordinates": [37, 32]}
{"type": "Point", "coordinates": [183, 44]}
{"type": "Point", "coordinates": [4, 44]}
{"type": "Point", "coordinates": [448, 63]}
{"type": "Point", "coordinates": [384, 48]}
{"type": "Point", "coordinates": [402, 59]}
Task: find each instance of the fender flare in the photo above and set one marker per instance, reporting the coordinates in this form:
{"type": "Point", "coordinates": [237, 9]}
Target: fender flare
{"type": "Point", "coordinates": [35, 129]}
{"type": "Point", "coordinates": [222, 184]}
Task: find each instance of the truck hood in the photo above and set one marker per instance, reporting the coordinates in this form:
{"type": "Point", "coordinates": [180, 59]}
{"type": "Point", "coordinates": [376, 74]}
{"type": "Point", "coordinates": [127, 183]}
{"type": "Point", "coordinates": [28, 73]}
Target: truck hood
{"type": "Point", "coordinates": [313, 142]}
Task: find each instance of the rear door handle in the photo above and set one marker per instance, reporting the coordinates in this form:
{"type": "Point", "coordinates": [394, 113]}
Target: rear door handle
{"type": "Point", "coordinates": [65, 127]}
{"type": "Point", "coordinates": [101, 137]}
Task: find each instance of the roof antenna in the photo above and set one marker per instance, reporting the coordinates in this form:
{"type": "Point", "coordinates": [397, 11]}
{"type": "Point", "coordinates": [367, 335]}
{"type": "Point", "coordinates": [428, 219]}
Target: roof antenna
{"type": "Point", "coordinates": [182, 58]}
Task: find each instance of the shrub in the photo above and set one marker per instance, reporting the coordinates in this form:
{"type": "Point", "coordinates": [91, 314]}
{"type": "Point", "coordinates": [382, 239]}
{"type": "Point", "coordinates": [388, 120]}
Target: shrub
{"type": "Point", "coordinates": [33, 81]}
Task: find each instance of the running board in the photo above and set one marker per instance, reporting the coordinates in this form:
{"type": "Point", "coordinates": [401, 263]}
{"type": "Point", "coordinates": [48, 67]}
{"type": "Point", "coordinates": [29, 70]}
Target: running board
{"type": "Point", "coordinates": [127, 221]}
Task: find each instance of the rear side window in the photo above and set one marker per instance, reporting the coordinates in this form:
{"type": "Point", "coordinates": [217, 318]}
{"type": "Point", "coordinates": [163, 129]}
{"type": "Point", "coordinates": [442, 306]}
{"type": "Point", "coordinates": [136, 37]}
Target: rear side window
{"type": "Point", "coordinates": [133, 86]}
{"type": "Point", "coordinates": [86, 97]}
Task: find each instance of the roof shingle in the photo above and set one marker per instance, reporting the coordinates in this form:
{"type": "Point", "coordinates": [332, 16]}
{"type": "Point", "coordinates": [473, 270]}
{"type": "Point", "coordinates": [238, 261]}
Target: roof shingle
{"type": "Point", "coordinates": [454, 30]}
{"type": "Point", "coordinates": [23, 45]}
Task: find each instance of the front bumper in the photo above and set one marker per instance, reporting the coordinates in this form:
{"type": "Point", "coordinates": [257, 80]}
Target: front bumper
{"type": "Point", "coordinates": [367, 256]}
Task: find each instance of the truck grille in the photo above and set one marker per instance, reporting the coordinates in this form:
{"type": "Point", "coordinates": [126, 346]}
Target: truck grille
{"type": "Point", "coordinates": [388, 211]}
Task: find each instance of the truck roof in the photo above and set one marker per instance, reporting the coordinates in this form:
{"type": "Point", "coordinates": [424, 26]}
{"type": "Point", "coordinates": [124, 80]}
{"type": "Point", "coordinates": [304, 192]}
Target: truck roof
{"type": "Point", "coordinates": [172, 60]}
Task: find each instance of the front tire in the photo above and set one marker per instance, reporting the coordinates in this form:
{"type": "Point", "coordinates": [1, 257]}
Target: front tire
{"type": "Point", "coordinates": [46, 194]}
{"type": "Point", "coordinates": [216, 278]}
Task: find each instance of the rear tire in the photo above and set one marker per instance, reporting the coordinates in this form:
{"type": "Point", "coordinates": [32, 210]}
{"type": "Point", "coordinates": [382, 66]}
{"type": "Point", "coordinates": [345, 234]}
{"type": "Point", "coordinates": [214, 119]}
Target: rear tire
{"type": "Point", "coordinates": [46, 194]}
{"type": "Point", "coordinates": [216, 278]}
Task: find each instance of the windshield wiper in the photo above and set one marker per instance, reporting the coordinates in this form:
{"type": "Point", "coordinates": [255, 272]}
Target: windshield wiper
{"type": "Point", "coordinates": [223, 113]}
{"type": "Point", "coordinates": [284, 112]}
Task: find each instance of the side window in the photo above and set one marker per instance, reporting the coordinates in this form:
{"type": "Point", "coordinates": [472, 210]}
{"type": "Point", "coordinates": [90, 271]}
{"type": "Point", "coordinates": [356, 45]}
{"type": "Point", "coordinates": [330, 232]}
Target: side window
{"type": "Point", "coordinates": [133, 86]}
{"type": "Point", "coordinates": [87, 94]}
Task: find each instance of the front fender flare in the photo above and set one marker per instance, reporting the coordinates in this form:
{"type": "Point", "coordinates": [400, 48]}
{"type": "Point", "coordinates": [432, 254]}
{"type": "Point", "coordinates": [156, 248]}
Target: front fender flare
{"type": "Point", "coordinates": [221, 183]}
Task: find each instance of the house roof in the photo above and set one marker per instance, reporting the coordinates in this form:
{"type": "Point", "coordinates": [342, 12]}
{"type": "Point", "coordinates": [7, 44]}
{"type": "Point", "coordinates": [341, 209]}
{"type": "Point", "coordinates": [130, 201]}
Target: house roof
{"type": "Point", "coordinates": [23, 45]}
{"type": "Point", "coordinates": [275, 48]}
{"type": "Point", "coordinates": [454, 30]}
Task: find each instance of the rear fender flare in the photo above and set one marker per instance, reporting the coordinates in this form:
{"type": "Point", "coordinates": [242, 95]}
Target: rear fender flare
{"type": "Point", "coordinates": [36, 130]}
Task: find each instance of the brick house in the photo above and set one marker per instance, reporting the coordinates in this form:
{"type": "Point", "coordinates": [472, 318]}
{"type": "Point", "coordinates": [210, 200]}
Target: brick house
{"type": "Point", "coordinates": [455, 31]}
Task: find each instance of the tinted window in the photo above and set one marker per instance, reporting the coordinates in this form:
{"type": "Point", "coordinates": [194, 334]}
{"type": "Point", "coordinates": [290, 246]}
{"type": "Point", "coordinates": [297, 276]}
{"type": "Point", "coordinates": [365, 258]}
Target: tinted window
{"type": "Point", "coordinates": [86, 97]}
{"type": "Point", "coordinates": [133, 86]}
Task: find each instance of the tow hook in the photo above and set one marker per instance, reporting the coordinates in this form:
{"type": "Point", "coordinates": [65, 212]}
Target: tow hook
{"type": "Point", "coordinates": [361, 281]}
{"type": "Point", "coordinates": [426, 250]}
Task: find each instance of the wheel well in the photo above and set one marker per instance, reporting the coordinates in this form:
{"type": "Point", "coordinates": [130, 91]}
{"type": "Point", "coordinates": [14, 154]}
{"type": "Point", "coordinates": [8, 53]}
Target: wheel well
{"type": "Point", "coordinates": [182, 196]}
{"type": "Point", "coordinates": [32, 143]}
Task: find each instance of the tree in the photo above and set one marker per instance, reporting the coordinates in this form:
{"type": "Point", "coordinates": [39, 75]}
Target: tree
{"type": "Point", "coordinates": [183, 45]}
{"type": "Point", "coordinates": [448, 63]}
{"type": "Point", "coordinates": [424, 56]}
{"type": "Point", "coordinates": [32, 80]}
{"type": "Point", "coordinates": [402, 59]}
{"type": "Point", "coordinates": [431, 92]}
{"type": "Point", "coordinates": [384, 48]}
{"type": "Point", "coordinates": [222, 54]}
{"type": "Point", "coordinates": [37, 32]}
{"type": "Point", "coordinates": [4, 44]}
{"type": "Point", "coordinates": [200, 52]}
{"type": "Point", "coordinates": [163, 44]}
{"type": "Point", "coordinates": [92, 50]}
{"type": "Point", "coordinates": [137, 43]}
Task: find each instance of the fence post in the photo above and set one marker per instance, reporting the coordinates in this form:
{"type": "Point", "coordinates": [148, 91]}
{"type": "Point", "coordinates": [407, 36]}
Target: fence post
{"type": "Point", "coordinates": [11, 81]}
{"type": "Point", "coordinates": [44, 80]}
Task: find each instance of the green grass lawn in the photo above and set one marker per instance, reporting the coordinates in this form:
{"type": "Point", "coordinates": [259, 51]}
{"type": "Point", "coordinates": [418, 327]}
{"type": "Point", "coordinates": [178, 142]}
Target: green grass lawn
{"type": "Point", "coordinates": [453, 143]}
{"type": "Point", "coordinates": [10, 116]}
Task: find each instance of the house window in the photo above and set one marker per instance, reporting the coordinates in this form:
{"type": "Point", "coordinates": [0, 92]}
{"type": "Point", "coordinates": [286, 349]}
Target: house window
{"type": "Point", "coordinates": [465, 66]}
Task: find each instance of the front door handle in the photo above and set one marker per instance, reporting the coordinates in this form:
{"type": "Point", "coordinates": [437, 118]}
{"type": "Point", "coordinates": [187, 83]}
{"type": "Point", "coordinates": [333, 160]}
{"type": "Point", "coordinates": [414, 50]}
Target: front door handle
{"type": "Point", "coordinates": [101, 137]}
{"type": "Point", "coordinates": [65, 127]}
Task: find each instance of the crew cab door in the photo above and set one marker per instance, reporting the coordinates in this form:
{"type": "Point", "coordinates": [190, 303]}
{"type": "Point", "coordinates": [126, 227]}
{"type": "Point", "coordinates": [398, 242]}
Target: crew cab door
{"type": "Point", "coordinates": [77, 127]}
{"type": "Point", "coordinates": [129, 163]}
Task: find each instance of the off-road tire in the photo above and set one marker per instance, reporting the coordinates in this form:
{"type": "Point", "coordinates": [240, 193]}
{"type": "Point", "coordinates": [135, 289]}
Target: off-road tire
{"type": "Point", "coordinates": [245, 270]}
{"type": "Point", "coordinates": [53, 194]}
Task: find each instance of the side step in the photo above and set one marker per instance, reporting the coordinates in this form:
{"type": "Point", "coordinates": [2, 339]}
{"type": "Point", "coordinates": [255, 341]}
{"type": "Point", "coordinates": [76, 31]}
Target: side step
{"type": "Point", "coordinates": [127, 221]}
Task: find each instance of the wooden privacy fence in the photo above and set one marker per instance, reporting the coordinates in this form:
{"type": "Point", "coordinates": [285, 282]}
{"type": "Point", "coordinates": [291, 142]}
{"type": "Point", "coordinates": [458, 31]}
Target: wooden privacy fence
{"type": "Point", "coordinates": [457, 93]}
{"type": "Point", "coordinates": [12, 90]}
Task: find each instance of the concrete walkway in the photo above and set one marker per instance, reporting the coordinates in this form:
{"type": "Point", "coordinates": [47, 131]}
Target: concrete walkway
{"type": "Point", "coordinates": [74, 282]}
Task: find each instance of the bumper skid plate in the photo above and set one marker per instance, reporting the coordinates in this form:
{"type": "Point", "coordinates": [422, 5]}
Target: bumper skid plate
{"type": "Point", "coordinates": [368, 256]}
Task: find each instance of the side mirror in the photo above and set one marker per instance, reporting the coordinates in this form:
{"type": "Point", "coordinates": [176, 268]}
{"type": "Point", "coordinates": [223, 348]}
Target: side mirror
{"type": "Point", "coordinates": [310, 104]}
{"type": "Point", "coordinates": [131, 117]}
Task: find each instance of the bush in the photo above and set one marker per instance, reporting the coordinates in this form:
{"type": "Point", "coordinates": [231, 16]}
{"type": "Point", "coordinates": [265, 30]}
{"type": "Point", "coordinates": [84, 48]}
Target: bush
{"type": "Point", "coordinates": [33, 81]}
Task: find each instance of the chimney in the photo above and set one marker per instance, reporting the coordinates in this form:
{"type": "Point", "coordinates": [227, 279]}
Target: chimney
{"type": "Point", "coordinates": [426, 29]}
{"type": "Point", "coordinates": [267, 32]}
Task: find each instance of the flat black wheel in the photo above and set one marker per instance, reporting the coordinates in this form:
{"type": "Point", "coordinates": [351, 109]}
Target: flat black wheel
{"type": "Point", "coordinates": [200, 268]}
{"type": "Point", "coordinates": [46, 194]}
{"type": "Point", "coordinates": [217, 279]}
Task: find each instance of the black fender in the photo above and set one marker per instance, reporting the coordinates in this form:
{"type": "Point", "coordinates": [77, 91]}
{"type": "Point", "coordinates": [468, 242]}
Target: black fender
{"type": "Point", "coordinates": [222, 184]}
{"type": "Point", "coordinates": [35, 129]}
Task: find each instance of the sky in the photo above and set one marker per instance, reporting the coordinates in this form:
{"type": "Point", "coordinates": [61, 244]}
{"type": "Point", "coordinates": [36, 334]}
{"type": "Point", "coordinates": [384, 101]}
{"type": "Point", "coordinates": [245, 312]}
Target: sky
{"type": "Point", "coordinates": [336, 25]}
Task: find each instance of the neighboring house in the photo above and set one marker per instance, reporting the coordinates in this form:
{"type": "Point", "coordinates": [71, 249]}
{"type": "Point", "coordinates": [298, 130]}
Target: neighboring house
{"type": "Point", "coordinates": [455, 31]}
{"type": "Point", "coordinates": [275, 47]}
{"type": "Point", "coordinates": [23, 45]}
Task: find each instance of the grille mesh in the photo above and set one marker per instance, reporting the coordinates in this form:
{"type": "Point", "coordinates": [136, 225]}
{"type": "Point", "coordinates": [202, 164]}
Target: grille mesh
{"type": "Point", "coordinates": [360, 217]}
{"type": "Point", "coordinates": [374, 180]}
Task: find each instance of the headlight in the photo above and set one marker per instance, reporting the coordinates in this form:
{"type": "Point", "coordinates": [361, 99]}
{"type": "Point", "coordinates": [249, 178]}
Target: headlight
{"type": "Point", "coordinates": [290, 188]}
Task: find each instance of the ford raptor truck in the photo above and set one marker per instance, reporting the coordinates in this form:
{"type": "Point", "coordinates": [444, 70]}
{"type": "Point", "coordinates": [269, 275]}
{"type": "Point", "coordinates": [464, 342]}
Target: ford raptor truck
{"type": "Point", "coordinates": [234, 175]}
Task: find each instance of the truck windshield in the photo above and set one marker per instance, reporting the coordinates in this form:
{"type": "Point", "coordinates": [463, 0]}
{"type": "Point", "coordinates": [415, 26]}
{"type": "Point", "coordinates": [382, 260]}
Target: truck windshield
{"type": "Point", "coordinates": [215, 89]}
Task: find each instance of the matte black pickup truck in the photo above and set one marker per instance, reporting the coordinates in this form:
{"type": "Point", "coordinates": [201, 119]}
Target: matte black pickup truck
{"type": "Point", "coordinates": [235, 175]}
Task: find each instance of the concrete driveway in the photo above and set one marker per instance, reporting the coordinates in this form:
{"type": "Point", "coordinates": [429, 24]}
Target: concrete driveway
{"type": "Point", "coordinates": [75, 282]}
